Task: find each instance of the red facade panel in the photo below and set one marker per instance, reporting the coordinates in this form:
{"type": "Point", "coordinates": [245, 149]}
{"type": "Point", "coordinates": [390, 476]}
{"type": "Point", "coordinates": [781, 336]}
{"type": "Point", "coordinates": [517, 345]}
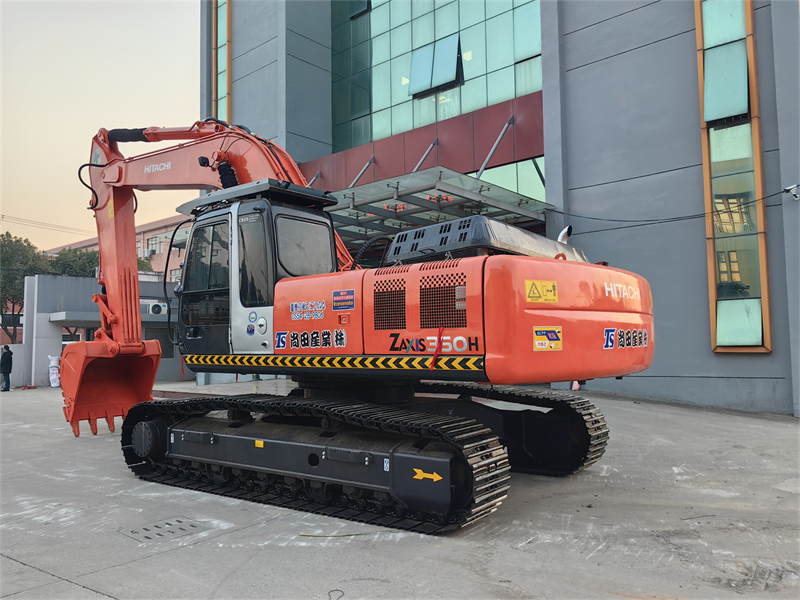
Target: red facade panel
{"type": "Point", "coordinates": [355, 159]}
{"type": "Point", "coordinates": [528, 127]}
{"type": "Point", "coordinates": [456, 150]}
{"type": "Point", "coordinates": [311, 168]}
{"type": "Point", "coordinates": [417, 142]}
{"type": "Point", "coordinates": [389, 157]}
{"type": "Point", "coordinates": [489, 122]}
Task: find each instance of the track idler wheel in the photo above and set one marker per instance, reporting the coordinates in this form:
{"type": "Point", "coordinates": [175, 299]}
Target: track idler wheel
{"type": "Point", "coordinates": [149, 439]}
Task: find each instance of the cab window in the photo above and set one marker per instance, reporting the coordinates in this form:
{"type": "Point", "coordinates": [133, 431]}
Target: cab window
{"type": "Point", "coordinates": [304, 247]}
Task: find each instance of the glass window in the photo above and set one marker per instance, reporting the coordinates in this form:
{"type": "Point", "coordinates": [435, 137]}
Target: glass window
{"type": "Point", "coordinates": [379, 18]}
{"type": "Point", "coordinates": [340, 11]}
{"type": "Point", "coordinates": [360, 58]}
{"type": "Point", "coordinates": [382, 124]}
{"type": "Point", "coordinates": [361, 131]}
{"type": "Point", "coordinates": [527, 31]}
{"type": "Point", "coordinates": [207, 263]}
{"type": "Point", "coordinates": [401, 12]}
{"type": "Point", "coordinates": [401, 71]}
{"type": "Point", "coordinates": [471, 12]}
{"type": "Point", "coordinates": [424, 111]}
{"type": "Point", "coordinates": [359, 30]}
{"type": "Point", "coordinates": [422, 31]}
{"type": "Point", "coordinates": [733, 204]}
{"type": "Point", "coordinates": [154, 245]}
{"type": "Point", "coordinates": [420, 7]}
{"type": "Point", "coordinates": [473, 51]}
{"type": "Point", "coordinates": [304, 247]}
{"type": "Point", "coordinates": [381, 86]}
{"type": "Point", "coordinates": [528, 76]}
{"type": "Point", "coordinates": [445, 59]}
{"type": "Point", "coordinates": [725, 90]}
{"type": "Point", "coordinates": [401, 40]}
{"type": "Point", "coordinates": [529, 182]}
{"type": "Point", "coordinates": [495, 7]}
{"type": "Point", "coordinates": [175, 275]}
{"type": "Point", "coordinates": [448, 104]}
{"type": "Point", "coordinates": [421, 69]}
{"type": "Point", "coordinates": [222, 108]}
{"type": "Point", "coordinates": [731, 149]}
{"type": "Point", "coordinates": [500, 85]}
{"type": "Point", "coordinates": [222, 24]}
{"type": "Point", "coordinates": [440, 3]}
{"type": "Point", "coordinates": [500, 52]}
{"type": "Point", "coordinates": [342, 137]}
{"type": "Point", "coordinates": [253, 270]}
{"type": "Point", "coordinates": [402, 118]}
{"type": "Point", "coordinates": [222, 58]}
{"type": "Point", "coordinates": [222, 84]}
{"type": "Point", "coordinates": [381, 48]}
{"type": "Point", "coordinates": [723, 21]}
{"type": "Point", "coordinates": [359, 94]}
{"type": "Point", "coordinates": [738, 272]}
{"type": "Point", "coordinates": [446, 20]}
{"type": "Point", "coordinates": [739, 322]}
{"type": "Point", "coordinates": [340, 64]}
{"type": "Point", "coordinates": [138, 248]}
{"type": "Point", "coordinates": [341, 101]}
{"type": "Point", "coordinates": [505, 176]}
{"type": "Point", "coordinates": [340, 38]}
{"type": "Point", "coordinates": [473, 95]}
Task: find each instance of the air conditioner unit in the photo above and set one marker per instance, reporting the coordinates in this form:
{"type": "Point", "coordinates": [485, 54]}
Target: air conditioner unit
{"type": "Point", "coordinates": [153, 307]}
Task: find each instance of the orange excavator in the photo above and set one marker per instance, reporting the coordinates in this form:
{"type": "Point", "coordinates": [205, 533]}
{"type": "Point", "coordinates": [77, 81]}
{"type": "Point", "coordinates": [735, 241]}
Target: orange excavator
{"type": "Point", "coordinates": [416, 381]}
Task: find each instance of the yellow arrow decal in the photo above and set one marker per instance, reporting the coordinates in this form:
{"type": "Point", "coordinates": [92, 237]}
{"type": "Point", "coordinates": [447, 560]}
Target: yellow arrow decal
{"type": "Point", "coordinates": [419, 474]}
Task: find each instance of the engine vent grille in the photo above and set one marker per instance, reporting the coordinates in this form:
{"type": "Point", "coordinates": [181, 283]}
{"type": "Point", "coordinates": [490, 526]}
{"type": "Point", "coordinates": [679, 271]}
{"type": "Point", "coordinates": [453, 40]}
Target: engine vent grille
{"type": "Point", "coordinates": [439, 264]}
{"type": "Point", "coordinates": [389, 299]}
{"type": "Point", "coordinates": [443, 301]}
{"type": "Point", "coordinates": [392, 270]}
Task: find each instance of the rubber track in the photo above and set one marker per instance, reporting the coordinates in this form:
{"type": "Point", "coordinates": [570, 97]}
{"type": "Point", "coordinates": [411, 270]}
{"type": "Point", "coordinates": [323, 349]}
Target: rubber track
{"type": "Point", "coordinates": [533, 396]}
{"type": "Point", "coordinates": [478, 445]}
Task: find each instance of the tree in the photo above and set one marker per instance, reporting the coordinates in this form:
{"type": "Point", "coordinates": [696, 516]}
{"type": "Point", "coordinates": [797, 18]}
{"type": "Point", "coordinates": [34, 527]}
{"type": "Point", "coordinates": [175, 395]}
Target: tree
{"type": "Point", "coordinates": [18, 259]}
{"type": "Point", "coordinates": [83, 263]}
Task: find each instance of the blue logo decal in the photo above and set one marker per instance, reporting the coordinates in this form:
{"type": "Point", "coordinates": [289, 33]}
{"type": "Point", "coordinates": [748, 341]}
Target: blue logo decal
{"type": "Point", "coordinates": [251, 330]}
{"type": "Point", "coordinates": [609, 343]}
{"type": "Point", "coordinates": [280, 340]}
{"type": "Point", "coordinates": [550, 334]}
{"type": "Point", "coordinates": [252, 316]}
{"type": "Point", "coordinates": [344, 300]}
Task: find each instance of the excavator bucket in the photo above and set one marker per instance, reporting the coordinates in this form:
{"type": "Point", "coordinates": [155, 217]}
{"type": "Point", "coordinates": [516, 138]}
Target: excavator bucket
{"type": "Point", "coordinates": [99, 385]}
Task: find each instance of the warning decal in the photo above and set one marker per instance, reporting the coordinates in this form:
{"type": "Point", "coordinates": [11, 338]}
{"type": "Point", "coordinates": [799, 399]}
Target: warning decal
{"type": "Point", "coordinates": [547, 338]}
{"type": "Point", "coordinates": [540, 291]}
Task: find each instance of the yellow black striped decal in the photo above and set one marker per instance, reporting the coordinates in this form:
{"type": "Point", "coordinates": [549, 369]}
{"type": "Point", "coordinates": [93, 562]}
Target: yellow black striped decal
{"type": "Point", "coordinates": [421, 363]}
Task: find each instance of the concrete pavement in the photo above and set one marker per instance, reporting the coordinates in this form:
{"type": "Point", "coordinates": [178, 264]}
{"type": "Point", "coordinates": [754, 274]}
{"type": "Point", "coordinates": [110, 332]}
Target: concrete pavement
{"type": "Point", "coordinates": [686, 503]}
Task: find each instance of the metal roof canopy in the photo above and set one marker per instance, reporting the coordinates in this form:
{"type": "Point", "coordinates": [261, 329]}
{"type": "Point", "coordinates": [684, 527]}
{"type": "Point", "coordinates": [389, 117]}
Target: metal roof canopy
{"type": "Point", "coordinates": [435, 195]}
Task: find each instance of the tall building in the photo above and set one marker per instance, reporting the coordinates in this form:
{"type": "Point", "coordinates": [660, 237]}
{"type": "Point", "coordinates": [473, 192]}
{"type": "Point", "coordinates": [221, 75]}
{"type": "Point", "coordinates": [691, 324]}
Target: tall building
{"type": "Point", "coordinates": [664, 132]}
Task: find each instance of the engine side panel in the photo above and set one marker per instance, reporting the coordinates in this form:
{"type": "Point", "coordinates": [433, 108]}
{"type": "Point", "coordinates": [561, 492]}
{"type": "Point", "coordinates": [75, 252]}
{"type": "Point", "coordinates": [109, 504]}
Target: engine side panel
{"type": "Point", "coordinates": [551, 320]}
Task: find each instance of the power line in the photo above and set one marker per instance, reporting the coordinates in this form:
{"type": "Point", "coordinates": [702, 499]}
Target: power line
{"type": "Point", "coordinates": [48, 226]}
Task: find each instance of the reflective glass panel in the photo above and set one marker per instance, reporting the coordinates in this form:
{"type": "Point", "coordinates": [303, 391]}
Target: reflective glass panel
{"type": "Point", "coordinates": [359, 57]}
{"type": "Point", "coordinates": [341, 64]}
{"type": "Point", "coordinates": [424, 111]}
{"type": "Point", "coordinates": [341, 101]}
{"type": "Point", "coordinates": [361, 131]}
{"type": "Point", "coordinates": [495, 7]}
{"type": "Point", "coordinates": [527, 31]}
{"type": "Point", "coordinates": [733, 204]}
{"type": "Point", "coordinates": [445, 57]}
{"type": "Point", "coordinates": [473, 96]}
{"type": "Point", "coordinates": [382, 124]}
{"type": "Point", "coordinates": [253, 269]}
{"type": "Point", "coordinates": [440, 3]}
{"type": "Point", "coordinates": [500, 86]}
{"type": "Point", "coordinates": [401, 40]}
{"type": "Point", "coordinates": [222, 24]}
{"type": "Point", "coordinates": [381, 48]}
{"type": "Point", "coordinates": [222, 84]}
{"type": "Point", "coordinates": [381, 86]}
{"type": "Point", "coordinates": [446, 20]}
{"type": "Point", "coordinates": [421, 69]}
{"type": "Point", "coordinates": [402, 118]}
{"type": "Point", "coordinates": [528, 179]}
{"type": "Point", "coordinates": [731, 149]}
{"type": "Point", "coordinates": [222, 58]}
{"type": "Point", "coordinates": [222, 108]}
{"type": "Point", "coordinates": [505, 176]}
{"type": "Point", "coordinates": [422, 31]}
{"type": "Point", "coordinates": [738, 271]}
{"type": "Point", "coordinates": [340, 12]}
{"type": "Point", "coordinates": [448, 104]}
{"type": "Point", "coordinates": [739, 322]}
{"type": "Point", "coordinates": [340, 38]}
{"type": "Point", "coordinates": [401, 12]}
{"type": "Point", "coordinates": [420, 7]}
{"type": "Point", "coordinates": [379, 20]}
{"type": "Point", "coordinates": [500, 50]}
{"type": "Point", "coordinates": [360, 30]}
{"type": "Point", "coordinates": [473, 51]}
{"type": "Point", "coordinates": [360, 94]}
{"type": "Point", "coordinates": [304, 247]}
{"type": "Point", "coordinates": [342, 137]}
{"type": "Point", "coordinates": [725, 90]}
{"type": "Point", "coordinates": [528, 76]}
{"type": "Point", "coordinates": [471, 12]}
{"type": "Point", "coordinates": [401, 71]}
{"type": "Point", "coordinates": [723, 21]}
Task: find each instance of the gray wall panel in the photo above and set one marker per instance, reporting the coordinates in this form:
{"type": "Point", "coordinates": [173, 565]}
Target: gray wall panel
{"type": "Point", "coordinates": [631, 30]}
{"type": "Point", "coordinates": [304, 149]}
{"type": "Point", "coordinates": [259, 57]}
{"type": "Point", "coordinates": [255, 103]}
{"type": "Point", "coordinates": [635, 114]}
{"type": "Point", "coordinates": [304, 114]}
{"type": "Point", "coordinates": [578, 14]}
{"type": "Point", "coordinates": [308, 51]}
{"type": "Point", "coordinates": [311, 19]}
{"type": "Point", "coordinates": [766, 78]}
{"type": "Point", "coordinates": [253, 23]}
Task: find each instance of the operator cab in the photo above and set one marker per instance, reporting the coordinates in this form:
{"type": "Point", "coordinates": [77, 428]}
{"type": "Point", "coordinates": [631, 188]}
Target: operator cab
{"type": "Point", "coordinates": [242, 242]}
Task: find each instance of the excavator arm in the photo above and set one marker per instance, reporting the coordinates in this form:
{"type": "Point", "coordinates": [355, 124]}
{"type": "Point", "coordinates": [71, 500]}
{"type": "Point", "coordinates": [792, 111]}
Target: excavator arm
{"type": "Point", "coordinates": [103, 378]}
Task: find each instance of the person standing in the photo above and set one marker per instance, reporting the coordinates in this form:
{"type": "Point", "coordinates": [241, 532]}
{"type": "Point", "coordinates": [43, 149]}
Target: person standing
{"type": "Point", "coordinates": [5, 368]}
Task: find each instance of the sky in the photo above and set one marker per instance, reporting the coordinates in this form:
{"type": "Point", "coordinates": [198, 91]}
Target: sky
{"type": "Point", "coordinates": [70, 68]}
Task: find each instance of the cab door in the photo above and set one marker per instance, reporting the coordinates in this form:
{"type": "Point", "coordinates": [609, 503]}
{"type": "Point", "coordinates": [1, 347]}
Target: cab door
{"type": "Point", "coordinates": [252, 285]}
